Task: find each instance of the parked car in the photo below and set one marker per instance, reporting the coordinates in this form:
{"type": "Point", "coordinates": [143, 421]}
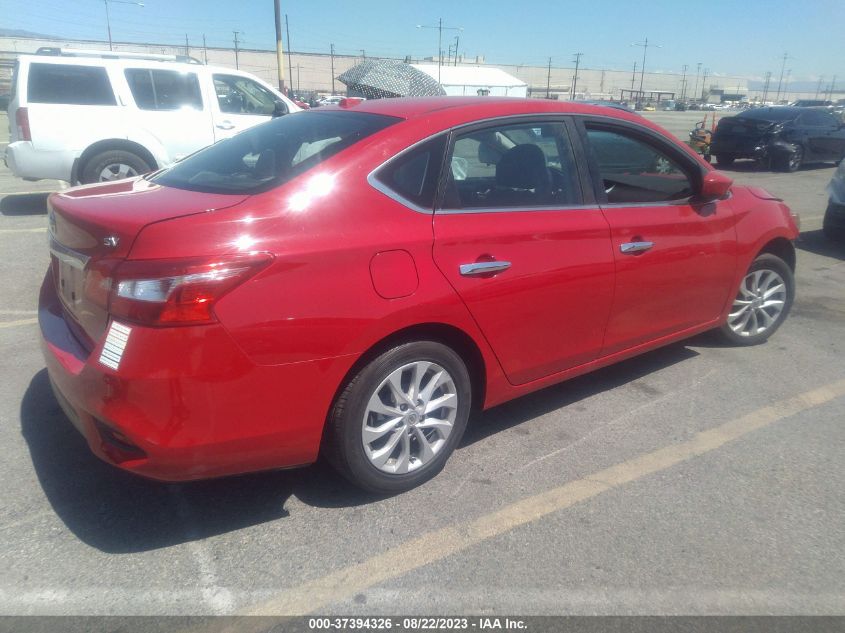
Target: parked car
{"type": "Point", "coordinates": [834, 215]}
{"type": "Point", "coordinates": [782, 137]}
{"type": "Point", "coordinates": [811, 103]}
{"type": "Point", "coordinates": [330, 100]}
{"type": "Point", "coordinates": [357, 280]}
{"type": "Point", "coordinates": [92, 116]}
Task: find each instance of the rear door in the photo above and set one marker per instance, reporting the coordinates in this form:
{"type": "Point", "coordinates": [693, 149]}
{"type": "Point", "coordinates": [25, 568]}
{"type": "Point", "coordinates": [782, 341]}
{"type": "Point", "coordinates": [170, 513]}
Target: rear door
{"type": "Point", "coordinates": [170, 109]}
{"type": "Point", "coordinates": [824, 133]}
{"type": "Point", "coordinates": [525, 250]}
{"type": "Point", "coordinates": [675, 258]}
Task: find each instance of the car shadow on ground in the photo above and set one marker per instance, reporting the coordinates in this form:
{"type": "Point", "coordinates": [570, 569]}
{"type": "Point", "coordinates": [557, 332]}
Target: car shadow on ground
{"type": "Point", "coordinates": [748, 166]}
{"type": "Point", "coordinates": [24, 204]}
{"type": "Point", "coordinates": [816, 242]}
{"type": "Point", "coordinates": [117, 512]}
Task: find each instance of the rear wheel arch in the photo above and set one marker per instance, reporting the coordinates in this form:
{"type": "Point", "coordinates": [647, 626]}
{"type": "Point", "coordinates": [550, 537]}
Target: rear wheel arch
{"type": "Point", "coordinates": [449, 335]}
{"type": "Point", "coordinates": [113, 144]}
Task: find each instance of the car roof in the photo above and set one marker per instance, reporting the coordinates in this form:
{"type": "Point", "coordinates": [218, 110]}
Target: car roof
{"type": "Point", "coordinates": [482, 107]}
{"type": "Point", "coordinates": [134, 62]}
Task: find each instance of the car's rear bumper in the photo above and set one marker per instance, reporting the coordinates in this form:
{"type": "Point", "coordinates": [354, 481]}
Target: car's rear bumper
{"type": "Point", "coordinates": [186, 403]}
{"type": "Point", "coordinates": [25, 161]}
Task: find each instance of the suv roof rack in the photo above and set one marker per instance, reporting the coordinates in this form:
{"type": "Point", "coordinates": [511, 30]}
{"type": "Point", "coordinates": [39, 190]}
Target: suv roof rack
{"type": "Point", "coordinates": [81, 52]}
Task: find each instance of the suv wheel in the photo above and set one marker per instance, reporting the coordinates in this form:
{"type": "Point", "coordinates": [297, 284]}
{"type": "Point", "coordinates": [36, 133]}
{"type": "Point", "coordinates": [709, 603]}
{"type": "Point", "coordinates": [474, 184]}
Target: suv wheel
{"type": "Point", "coordinates": [113, 164]}
{"type": "Point", "coordinates": [397, 421]}
{"type": "Point", "coordinates": [792, 161]}
{"type": "Point", "coordinates": [833, 225]}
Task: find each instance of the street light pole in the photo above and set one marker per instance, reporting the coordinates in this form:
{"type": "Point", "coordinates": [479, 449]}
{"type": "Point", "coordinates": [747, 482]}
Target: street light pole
{"type": "Point", "coordinates": [440, 28]}
{"type": "Point", "coordinates": [108, 18]}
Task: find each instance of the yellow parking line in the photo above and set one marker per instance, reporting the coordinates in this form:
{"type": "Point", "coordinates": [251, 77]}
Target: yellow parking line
{"type": "Point", "coordinates": [17, 323]}
{"type": "Point", "coordinates": [439, 544]}
{"type": "Point", "coordinates": [38, 230]}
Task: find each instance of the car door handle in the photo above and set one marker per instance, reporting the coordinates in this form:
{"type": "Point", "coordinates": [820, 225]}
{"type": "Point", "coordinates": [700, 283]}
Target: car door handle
{"type": "Point", "coordinates": [483, 268]}
{"type": "Point", "coordinates": [226, 125]}
{"type": "Point", "coordinates": [629, 248]}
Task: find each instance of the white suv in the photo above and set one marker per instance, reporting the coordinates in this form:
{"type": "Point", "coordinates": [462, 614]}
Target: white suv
{"type": "Point", "coordinates": [92, 116]}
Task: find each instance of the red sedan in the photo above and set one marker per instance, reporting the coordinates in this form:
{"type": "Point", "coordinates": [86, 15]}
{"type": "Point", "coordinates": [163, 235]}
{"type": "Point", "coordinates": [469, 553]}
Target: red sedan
{"type": "Point", "coordinates": [357, 280]}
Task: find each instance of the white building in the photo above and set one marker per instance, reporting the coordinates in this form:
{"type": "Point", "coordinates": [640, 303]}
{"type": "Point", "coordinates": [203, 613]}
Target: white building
{"type": "Point", "coordinates": [475, 80]}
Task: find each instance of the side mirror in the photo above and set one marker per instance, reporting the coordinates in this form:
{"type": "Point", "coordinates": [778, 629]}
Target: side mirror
{"type": "Point", "coordinates": [715, 185]}
{"type": "Point", "coordinates": [280, 108]}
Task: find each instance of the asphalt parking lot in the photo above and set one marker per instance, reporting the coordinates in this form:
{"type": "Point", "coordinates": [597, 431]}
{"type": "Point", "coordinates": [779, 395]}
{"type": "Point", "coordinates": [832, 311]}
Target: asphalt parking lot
{"type": "Point", "coordinates": [695, 479]}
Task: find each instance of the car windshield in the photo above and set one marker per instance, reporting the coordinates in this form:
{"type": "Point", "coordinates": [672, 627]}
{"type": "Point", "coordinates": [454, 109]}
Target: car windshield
{"type": "Point", "coordinates": [273, 153]}
{"type": "Point", "coordinates": [769, 114]}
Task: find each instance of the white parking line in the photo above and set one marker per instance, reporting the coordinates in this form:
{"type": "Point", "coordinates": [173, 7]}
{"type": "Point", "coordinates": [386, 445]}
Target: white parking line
{"type": "Point", "coordinates": [38, 230]}
{"type": "Point", "coordinates": [9, 324]}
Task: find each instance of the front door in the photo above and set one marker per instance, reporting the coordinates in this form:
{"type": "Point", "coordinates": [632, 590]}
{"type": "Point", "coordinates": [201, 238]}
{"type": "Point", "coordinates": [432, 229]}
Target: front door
{"type": "Point", "coordinates": [530, 261]}
{"type": "Point", "coordinates": [239, 104]}
{"type": "Point", "coordinates": [675, 258]}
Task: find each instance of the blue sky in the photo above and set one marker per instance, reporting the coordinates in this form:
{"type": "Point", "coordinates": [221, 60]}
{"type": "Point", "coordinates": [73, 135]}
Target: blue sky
{"type": "Point", "coordinates": [745, 37]}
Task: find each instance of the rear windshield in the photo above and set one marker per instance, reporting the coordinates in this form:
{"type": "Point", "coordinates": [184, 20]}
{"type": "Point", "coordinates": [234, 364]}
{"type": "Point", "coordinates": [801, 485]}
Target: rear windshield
{"type": "Point", "coordinates": [270, 154]}
{"type": "Point", "coordinates": [769, 114]}
{"type": "Point", "coordinates": [69, 85]}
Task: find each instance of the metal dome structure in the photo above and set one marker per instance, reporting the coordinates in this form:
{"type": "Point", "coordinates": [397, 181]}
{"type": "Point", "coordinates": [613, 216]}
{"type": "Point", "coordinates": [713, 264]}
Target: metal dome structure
{"type": "Point", "coordinates": [381, 78]}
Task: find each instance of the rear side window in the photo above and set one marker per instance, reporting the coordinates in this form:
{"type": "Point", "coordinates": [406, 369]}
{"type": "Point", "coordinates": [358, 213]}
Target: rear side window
{"type": "Point", "coordinates": [817, 118]}
{"type": "Point", "coordinates": [69, 85]}
{"type": "Point", "coordinates": [414, 175]}
{"type": "Point", "coordinates": [164, 89]}
{"type": "Point", "coordinates": [270, 154]}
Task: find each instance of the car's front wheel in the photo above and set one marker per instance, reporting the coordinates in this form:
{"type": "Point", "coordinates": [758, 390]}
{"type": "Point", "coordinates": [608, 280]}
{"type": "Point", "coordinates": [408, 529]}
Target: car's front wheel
{"type": "Point", "coordinates": [762, 302]}
{"type": "Point", "coordinates": [400, 417]}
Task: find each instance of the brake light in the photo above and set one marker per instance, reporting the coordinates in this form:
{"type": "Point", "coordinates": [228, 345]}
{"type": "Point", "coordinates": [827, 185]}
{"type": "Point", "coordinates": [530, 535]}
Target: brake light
{"type": "Point", "coordinates": [178, 292]}
{"type": "Point", "coordinates": [22, 121]}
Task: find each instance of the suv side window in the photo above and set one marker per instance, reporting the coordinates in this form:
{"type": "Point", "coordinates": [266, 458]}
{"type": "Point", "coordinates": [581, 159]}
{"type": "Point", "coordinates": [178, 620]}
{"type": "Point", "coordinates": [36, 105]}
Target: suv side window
{"type": "Point", "coordinates": [69, 85]}
{"type": "Point", "coordinates": [164, 89]}
{"type": "Point", "coordinates": [816, 118]}
{"type": "Point", "coordinates": [520, 165]}
{"type": "Point", "coordinates": [413, 176]}
{"type": "Point", "coordinates": [239, 95]}
{"type": "Point", "coordinates": [635, 171]}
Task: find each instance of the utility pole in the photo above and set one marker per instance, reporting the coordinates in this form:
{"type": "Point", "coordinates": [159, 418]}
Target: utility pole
{"type": "Point", "coordinates": [549, 80]}
{"type": "Point", "coordinates": [364, 54]}
{"type": "Point", "coordinates": [457, 42]}
{"type": "Point", "coordinates": [645, 46]}
{"type": "Point", "coordinates": [786, 85]}
{"type": "Point", "coordinates": [819, 86]}
{"type": "Point", "coordinates": [780, 81]}
{"type": "Point", "coordinates": [187, 49]}
{"type": "Point", "coordinates": [204, 49]}
{"type": "Point", "coordinates": [575, 78]}
{"type": "Point", "coordinates": [290, 50]}
{"type": "Point", "coordinates": [695, 86]}
{"type": "Point", "coordinates": [684, 83]}
{"type": "Point", "coordinates": [236, 48]}
{"type": "Point", "coordinates": [832, 86]}
{"type": "Point", "coordinates": [280, 49]}
{"type": "Point", "coordinates": [440, 28]}
{"type": "Point", "coordinates": [766, 85]}
{"type": "Point", "coordinates": [703, 82]}
{"type": "Point", "coordinates": [297, 78]}
{"type": "Point", "coordinates": [633, 78]}
{"type": "Point", "coordinates": [332, 54]}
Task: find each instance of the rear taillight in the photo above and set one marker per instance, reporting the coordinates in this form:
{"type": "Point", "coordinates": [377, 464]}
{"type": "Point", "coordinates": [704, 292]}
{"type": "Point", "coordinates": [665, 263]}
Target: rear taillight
{"type": "Point", "coordinates": [178, 292]}
{"type": "Point", "coordinates": [22, 121]}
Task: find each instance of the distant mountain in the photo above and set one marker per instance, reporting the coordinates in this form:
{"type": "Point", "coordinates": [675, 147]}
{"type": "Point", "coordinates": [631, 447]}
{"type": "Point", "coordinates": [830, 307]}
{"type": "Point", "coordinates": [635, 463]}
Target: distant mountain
{"type": "Point", "coordinates": [21, 33]}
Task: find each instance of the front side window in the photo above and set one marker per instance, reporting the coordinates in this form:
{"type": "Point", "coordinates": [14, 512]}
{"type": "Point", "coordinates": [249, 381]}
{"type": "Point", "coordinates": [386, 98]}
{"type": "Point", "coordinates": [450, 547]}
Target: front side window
{"type": "Point", "coordinates": [69, 85]}
{"type": "Point", "coordinates": [239, 95]}
{"type": "Point", "coordinates": [164, 89]}
{"type": "Point", "coordinates": [516, 165]}
{"type": "Point", "coordinates": [272, 153]}
{"type": "Point", "coordinates": [635, 171]}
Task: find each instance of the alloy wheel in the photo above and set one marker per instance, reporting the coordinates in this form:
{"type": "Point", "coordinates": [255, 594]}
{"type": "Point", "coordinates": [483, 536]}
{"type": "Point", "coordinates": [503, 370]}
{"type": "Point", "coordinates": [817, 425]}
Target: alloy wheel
{"type": "Point", "coordinates": [409, 417]}
{"type": "Point", "coordinates": [759, 303]}
{"type": "Point", "coordinates": [117, 171]}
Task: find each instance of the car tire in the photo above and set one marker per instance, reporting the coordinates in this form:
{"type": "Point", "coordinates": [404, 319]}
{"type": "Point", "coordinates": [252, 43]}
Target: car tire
{"type": "Point", "coordinates": [792, 161]}
{"type": "Point", "coordinates": [831, 231]}
{"type": "Point", "coordinates": [762, 302]}
{"type": "Point", "coordinates": [725, 160]}
{"type": "Point", "coordinates": [117, 162]}
{"type": "Point", "coordinates": [378, 435]}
